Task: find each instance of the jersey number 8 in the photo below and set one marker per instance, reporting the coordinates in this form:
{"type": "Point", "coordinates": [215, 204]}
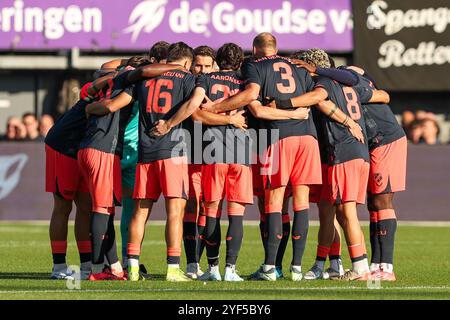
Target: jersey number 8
{"type": "Point", "coordinates": [352, 103]}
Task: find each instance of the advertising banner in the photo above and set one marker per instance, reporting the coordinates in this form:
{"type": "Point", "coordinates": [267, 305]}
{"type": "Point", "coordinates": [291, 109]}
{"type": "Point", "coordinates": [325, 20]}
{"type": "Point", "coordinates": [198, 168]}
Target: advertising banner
{"type": "Point", "coordinates": [137, 24]}
{"type": "Point", "coordinates": [23, 196]}
{"type": "Point", "coordinates": [404, 45]}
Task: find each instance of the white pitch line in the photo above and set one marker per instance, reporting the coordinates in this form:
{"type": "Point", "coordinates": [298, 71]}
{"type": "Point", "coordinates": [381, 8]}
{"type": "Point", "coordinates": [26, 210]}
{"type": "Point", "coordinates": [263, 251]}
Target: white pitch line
{"type": "Point", "coordinates": [227, 290]}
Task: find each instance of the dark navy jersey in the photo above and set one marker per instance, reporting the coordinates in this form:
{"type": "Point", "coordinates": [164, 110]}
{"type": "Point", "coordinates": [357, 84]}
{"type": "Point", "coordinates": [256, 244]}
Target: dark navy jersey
{"type": "Point", "coordinates": [159, 99]}
{"type": "Point", "coordinates": [106, 133]}
{"type": "Point", "coordinates": [318, 118]}
{"type": "Point", "coordinates": [280, 79]}
{"type": "Point", "coordinates": [341, 145]}
{"type": "Point", "coordinates": [224, 143]}
{"type": "Point", "coordinates": [388, 128]}
{"type": "Point", "coordinates": [66, 134]}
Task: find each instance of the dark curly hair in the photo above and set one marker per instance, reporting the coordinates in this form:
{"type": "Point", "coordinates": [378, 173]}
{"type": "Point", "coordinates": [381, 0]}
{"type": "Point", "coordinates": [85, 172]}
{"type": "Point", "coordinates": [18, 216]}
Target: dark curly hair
{"type": "Point", "coordinates": [229, 56]}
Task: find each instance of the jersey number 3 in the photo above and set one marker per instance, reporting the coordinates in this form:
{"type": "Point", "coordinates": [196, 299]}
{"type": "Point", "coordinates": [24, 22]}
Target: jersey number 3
{"type": "Point", "coordinates": [352, 103]}
{"type": "Point", "coordinates": [286, 75]}
{"type": "Point", "coordinates": [155, 95]}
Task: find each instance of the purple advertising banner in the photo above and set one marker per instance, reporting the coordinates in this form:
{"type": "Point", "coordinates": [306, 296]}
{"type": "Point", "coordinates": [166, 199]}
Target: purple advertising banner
{"type": "Point", "coordinates": [137, 24]}
{"type": "Point", "coordinates": [23, 196]}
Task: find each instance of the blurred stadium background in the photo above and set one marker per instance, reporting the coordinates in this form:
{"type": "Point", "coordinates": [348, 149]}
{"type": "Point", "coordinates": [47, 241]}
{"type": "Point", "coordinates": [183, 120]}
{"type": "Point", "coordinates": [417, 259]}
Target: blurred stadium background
{"type": "Point", "coordinates": [49, 49]}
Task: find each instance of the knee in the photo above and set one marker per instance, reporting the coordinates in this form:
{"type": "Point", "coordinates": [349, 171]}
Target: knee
{"type": "Point", "coordinates": [62, 207]}
{"type": "Point", "coordinates": [380, 202]}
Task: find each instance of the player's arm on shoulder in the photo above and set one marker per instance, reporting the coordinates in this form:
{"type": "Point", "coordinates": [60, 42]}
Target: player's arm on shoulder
{"type": "Point", "coordinates": [333, 112]}
{"type": "Point", "coordinates": [305, 100]}
{"type": "Point", "coordinates": [266, 113]}
{"type": "Point", "coordinates": [109, 105]}
{"type": "Point", "coordinates": [151, 71]}
{"type": "Point", "coordinates": [162, 127]}
{"type": "Point", "coordinates": [214, 119]}
{"type": "Point", "coordinates": [380, 96]}
{"type": "Point", "coordinates": [239, 100]}
{"type": "Point", "coordinates": [100, 83]}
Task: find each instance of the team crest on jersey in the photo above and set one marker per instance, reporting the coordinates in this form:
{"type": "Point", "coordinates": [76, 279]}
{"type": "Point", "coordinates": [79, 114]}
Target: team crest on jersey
{"type": "Point", "coordinates": [146, 16]}
{"type": "Point", "coordinates": [378, 179]}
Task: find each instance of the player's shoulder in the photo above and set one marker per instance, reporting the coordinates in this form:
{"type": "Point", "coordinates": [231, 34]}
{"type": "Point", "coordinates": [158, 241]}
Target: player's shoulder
{"type": "Point", "coordinates": [228, 76]}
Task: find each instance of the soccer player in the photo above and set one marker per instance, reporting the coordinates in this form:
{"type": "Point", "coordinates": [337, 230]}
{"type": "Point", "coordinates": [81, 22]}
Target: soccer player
{"type": "Point", "coordinates": [387, 175]}
{"type": "Point", "coordinates": [162, 162]}
{"type": "Point", "coordinates": [158, 54]}
{"type": "Point", "coordinates": [119, 96]}
{"type": "Point", "coordinates": [194, 220]}
{"type": "Point", "coordinates": [270, 75]}
{"type": "Point", "coordinates": [226, 172]}
{"type": "Point", "coordinates": [388, 134]}
{"type": "Point", "coordinates": [65, 181]}
{"type": "Point", "coordinates": [204, 60]}
{"type": "Point", "coordinates": [99, 159]}
{"type": "Point", "coordinates": [348, 166]}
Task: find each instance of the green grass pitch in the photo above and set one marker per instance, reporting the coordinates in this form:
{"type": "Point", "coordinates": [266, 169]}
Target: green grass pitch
{"type": "Point", "coordinates": [422, 268]}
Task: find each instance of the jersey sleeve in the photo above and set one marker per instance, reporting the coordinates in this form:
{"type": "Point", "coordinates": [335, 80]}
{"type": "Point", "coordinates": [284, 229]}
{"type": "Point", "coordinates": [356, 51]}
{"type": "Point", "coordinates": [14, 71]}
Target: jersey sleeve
{"type": "Point", "coordinates": [202, 82]}
{"type": "Point", "coordinates": [364, 92]}
{"type": "Point", "coordinates": [250, 73]}
{"type": "Point", "coordinates": [121, 83]}
{"type": "Point", "coordinates": [189, 85]}
{"type": "Point", "coordinates": [322, 82]}
{"type": "Point", "coordinates": [344, 76]}
{"type": "Point", "coordinates": [309, 83]}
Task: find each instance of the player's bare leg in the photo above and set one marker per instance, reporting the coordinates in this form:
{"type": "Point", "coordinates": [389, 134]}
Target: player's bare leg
{"type": "Point", "coordinates": [174, 236]}
{"type": "Point", "coordinates": [82, 235]}
{"type": "Point", "coordinates": [212, 238]}
{"type": "Point", "coordinates": [234, 237]}
{"type": "Point", "coordinates": [58, 236]}
{"type": "Point", "coordinates": [383, 225]}
{"type": "Point", "coordinates": [136, 231]}
{"type": "Point", "coordinates": [325, 238]}
{"type": "Point", "coordinates": [300, 225]}
{"type": "Point", "coordinates": [348, 219]}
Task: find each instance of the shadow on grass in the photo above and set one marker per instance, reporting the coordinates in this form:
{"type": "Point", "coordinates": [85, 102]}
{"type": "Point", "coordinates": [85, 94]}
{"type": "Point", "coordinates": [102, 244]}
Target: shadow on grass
{"type": "Point", "coordinates": [24, 276]}
{"type": "Point", "coordinates": [46, 276]}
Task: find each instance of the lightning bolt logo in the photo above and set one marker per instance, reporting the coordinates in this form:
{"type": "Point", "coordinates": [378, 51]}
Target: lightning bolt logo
{"type": "Point", "coordinates": [146, 16]}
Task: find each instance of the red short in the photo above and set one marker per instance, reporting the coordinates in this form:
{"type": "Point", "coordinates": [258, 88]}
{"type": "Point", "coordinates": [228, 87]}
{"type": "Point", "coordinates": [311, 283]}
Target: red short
{"type": "Point", "coordinates": [294, 160]}
{"type": "Point", "coordinates": [232, 182]}
{"type": "Point", "coordinates": [388, 167]}
{"type": "Point", "coordinates": [62, 175]}
{"type": "Point", "coordinates": [257, 180]}
{"type": "Point", "coordinates": [195, 181]}
{"type": "Point", "coordinates": [169, 177]}
{"type": "Point", "coordinates": [103, 175]}
{"type": "Point", "coordinates": [346, 182]}
{"type": "Point", "coordinates": [315, 191]}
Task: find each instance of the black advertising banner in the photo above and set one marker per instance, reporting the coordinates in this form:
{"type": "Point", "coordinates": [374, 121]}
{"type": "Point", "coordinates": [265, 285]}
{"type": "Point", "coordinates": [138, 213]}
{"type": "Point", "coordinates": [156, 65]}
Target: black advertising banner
{"type": "Point", "coordinates": [404, 44]}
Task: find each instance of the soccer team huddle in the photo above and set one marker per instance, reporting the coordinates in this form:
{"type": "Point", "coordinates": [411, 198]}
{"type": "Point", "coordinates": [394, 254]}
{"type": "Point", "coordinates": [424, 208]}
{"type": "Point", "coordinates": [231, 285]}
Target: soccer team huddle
{"type": "Point", "coordinates": [217, 130]}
